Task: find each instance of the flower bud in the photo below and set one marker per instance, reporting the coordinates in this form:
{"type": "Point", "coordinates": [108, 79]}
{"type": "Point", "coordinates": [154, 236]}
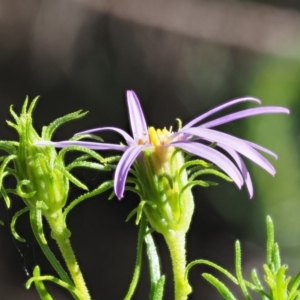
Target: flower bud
{"type": "Point", "coordinates": [39, 169]}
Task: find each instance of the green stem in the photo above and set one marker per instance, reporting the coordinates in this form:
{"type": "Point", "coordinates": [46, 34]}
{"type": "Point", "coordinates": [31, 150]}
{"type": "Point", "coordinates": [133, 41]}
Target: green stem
{"type": "Point", "coordinates": [176, 244]}
{"type": "Point", "coordinates": [46, 250]}
{"type": "Point", "coordinates": [61, 235]}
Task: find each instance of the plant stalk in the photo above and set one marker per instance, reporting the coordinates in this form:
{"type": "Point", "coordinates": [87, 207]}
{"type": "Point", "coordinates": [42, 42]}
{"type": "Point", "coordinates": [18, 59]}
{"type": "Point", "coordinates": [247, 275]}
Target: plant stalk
{"type": "Point", "coordinates": [61, 235]}
{"type": "Point", "coordinates": [176, 245]}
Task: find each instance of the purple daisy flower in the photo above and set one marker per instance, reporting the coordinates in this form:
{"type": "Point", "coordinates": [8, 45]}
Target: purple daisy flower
{"type": "Point", "coordinates": [189, 138]}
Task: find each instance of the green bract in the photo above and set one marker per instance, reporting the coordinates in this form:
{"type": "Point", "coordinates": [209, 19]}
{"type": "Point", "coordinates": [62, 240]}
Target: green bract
{"type": "Point", "coordinates": [169, 203]}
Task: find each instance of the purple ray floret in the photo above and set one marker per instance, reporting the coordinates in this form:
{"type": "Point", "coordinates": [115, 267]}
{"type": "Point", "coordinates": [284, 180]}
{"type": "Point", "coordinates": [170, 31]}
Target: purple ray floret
{"type": "Point", "coordinates": [137, 120]}
{"type": "Point", "coordinates": [190, 139]}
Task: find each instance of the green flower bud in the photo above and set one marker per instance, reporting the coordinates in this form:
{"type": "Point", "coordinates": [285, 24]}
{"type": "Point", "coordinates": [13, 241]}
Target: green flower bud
{"type": "Point", "coordinates": [40, 171]}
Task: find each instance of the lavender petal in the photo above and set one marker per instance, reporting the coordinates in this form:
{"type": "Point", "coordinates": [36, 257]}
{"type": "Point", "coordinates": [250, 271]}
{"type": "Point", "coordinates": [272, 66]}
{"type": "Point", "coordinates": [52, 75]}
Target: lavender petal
{"type": "Point", "coordinates": [125, 135]}
{"type": "Point", "coordinates": [90, 145]}
{"type": "Point", "coordinates": [123, 167]}
{"type": "Point", "coordinates": [137, 119]}
{"type": "Point", "coordinates": [214, 156]}
{"type": "Point", "coordinates": [260, 148]}
{"type": "Point", "coordinates": [244, 114]}
{"type": "Point", "coordinates": [217, 109]}
{"type": "Point", "coordinates": [235, 143]}
{"type": "Point", "coordinates": [246, 175]}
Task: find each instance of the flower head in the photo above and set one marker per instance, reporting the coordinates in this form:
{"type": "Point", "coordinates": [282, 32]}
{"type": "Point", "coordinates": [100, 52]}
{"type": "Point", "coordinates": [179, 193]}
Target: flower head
{"type": "Point", "coordinates": [190, 138]}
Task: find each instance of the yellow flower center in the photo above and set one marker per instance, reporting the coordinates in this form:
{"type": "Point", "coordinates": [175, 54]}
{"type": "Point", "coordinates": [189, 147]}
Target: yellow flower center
{"type": "Point", "coordinates": [158, 137]}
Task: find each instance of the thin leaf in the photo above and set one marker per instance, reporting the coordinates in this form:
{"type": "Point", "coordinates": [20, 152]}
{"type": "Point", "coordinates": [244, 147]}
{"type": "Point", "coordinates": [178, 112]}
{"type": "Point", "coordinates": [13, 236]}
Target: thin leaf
{"type": "Point", "coordinates": [138, 262]}
{"type": "Point", "coordinates": [157, 280]}
{"type": "Point", "coordinates": [88, 164]}
{"type": "Point", "coordinates": [48, 131]}
{"type": "Point", "coordinates": [158, 291]}
{"type": "Point", "coordinates": [223, 290]}
{"type": "Point", "coordinates": [101, 189]}
{"type": "Point", "coordinates": [238, 269]}
{"type": "Point", "coordinates": [295, 283]}
{"type": "Point", "coordinates": [13, 223]}
{"type": "Point", "coordinates": [201, 183]}
{"type": "Point", "coordinates": [76, 294]}
{"type": "Point", "coordinates": [196, 162]}
{"type": "Point", "coordinates": [270, 240]}
{"type": "Point", "coordinates": [210, 172]}
{"type": "Point", "coordinates": [211, 264]}
{"type": "Point", "coordinates": [39, 285]}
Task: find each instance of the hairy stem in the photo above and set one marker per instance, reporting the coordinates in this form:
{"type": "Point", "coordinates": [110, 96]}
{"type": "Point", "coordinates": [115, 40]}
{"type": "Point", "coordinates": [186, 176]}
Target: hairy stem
{"type": "Point", "coordinates": [176, 245]}
{"type": "Point", "coordinates": [61, 235]}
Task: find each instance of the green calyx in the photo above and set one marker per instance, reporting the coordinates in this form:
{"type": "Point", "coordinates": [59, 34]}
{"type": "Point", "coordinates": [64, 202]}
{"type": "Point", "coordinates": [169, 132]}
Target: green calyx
{"type": "Point", "coordinates": [164, 181]}
{"type": "Point", "coordinates": [167, 206]}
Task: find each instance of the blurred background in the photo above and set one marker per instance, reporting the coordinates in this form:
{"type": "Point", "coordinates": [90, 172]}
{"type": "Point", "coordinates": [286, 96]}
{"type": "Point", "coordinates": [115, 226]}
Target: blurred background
{"type": "Point", "coordinates": [181, 58]}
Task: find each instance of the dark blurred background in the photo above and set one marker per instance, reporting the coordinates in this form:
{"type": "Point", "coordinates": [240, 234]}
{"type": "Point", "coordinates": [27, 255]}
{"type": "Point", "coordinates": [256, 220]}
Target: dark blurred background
{"type": "Point", "coordinates": [182, 58]}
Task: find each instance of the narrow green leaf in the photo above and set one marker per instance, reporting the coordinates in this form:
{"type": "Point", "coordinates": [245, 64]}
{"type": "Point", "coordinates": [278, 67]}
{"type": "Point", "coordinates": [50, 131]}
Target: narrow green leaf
{"type": "Point", "coordinates": [31, 106]}
{"type": "Point", "coordinates": [223, 290]}
{"type": "Point", "coordinates": [24, 107]}
{"type": "Point", "coordinates": [134, 190]}
{"type": "Point", "coordinates": [73, 179]}
{"type": "Point", "coordinates": [88, 164]}
{"type": "Point", "coordinates": [75, 293]}
{"type": "Point", "coordinates": [157, 280]}
{"type": "Point", "coordinates": [259, 286]}
{"type": "Point", "coordinates": [276, 257]}
{"type": "Point", "coordinates": [39, 285]}
{"type": "Point", "coordinates": [295, 283]}
{"type": "Point", "coordinates": [21, 193]}
{"type": "Point", "coordinates": [138, 262]}
{"type": "Point", "coordinates": [131, 214]}
{"type": "Point", "coordinates": [210, 172]}
{"type": "Point", "coordinates": [158, 291]}
{"type": "Point", "coordinates": [94, 137]}
{"type": "Point", "coordinates": [14, 115]}
{"type": "Point", "coordinates": [101, 189]}
{"type": "Point", "coordinates": [196, 162]}
{"type": "Point", "coordinates": [211, 264]}
{"type": "Point", "coordinates": [92, 153]}
{"type": "Point", "coordinates": [39, 221]}
{"type": "Point", "coordinates": [270, 240]}
{"type": "Point", "coordinates": [238, 269]}
{"type": "Point", "coordinates": [9, 146]}
{"type": "Point", "coordinates": [140, 207]}
{"type": "Point", "coordinates": [13, 223]}
{"type": "Point", "coordinates": [48, 131]}
{"type": "Point", "coordinates": [4, 194]}
{"type": "Point", "coordinates": [193, 183]}
{"type": "Point", "coordinates": [3, 166]}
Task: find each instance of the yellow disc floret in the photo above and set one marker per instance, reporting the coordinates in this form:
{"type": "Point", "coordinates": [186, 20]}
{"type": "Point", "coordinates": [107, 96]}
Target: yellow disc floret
{"type": "Point", "coordinates": [159, 137]}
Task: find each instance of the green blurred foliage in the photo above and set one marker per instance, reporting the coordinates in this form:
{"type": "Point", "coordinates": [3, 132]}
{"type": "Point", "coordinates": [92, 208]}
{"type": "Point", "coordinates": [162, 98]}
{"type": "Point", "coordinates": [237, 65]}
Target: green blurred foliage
{"type": "Point", "coordinates": [276, 82]}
